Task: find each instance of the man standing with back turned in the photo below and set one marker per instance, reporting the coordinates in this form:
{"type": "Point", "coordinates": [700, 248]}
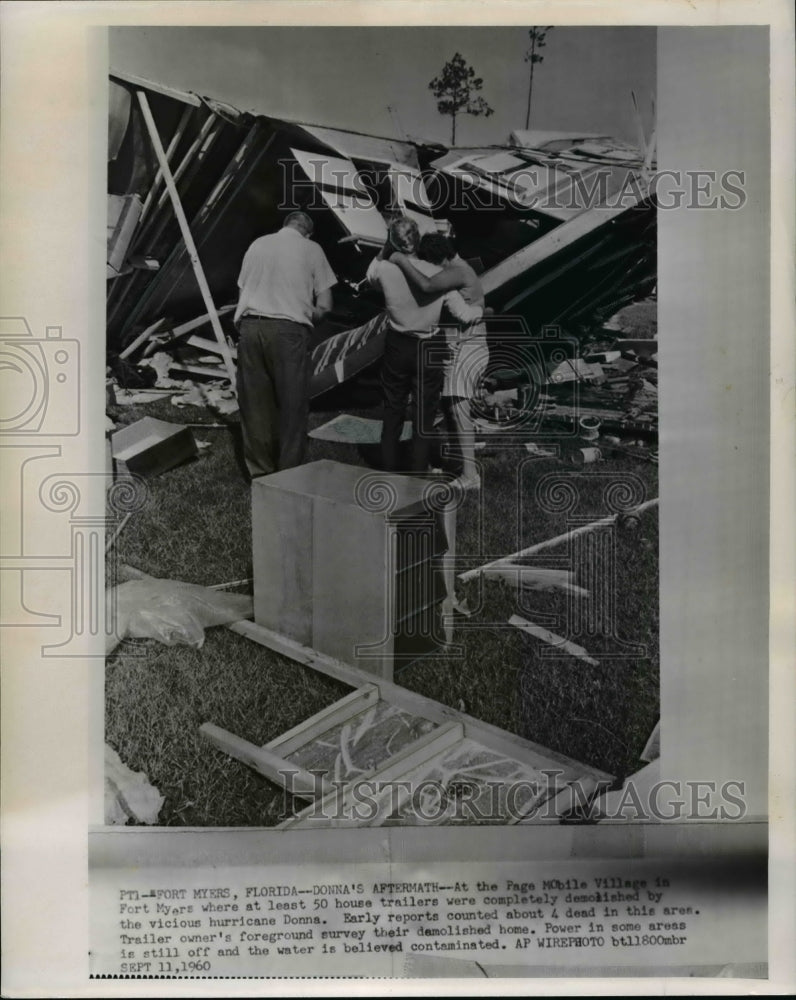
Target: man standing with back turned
{"type": "Point", "coordinates": [285, 286]}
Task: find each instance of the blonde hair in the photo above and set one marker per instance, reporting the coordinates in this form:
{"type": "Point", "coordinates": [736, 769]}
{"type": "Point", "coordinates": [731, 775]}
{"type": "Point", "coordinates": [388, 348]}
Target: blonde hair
{"type": "Point", "coordinates": [404, 234]}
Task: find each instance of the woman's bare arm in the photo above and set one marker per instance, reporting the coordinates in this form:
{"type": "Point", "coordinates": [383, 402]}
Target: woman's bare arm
{"type": "Point", "coordinates": [447, 280]}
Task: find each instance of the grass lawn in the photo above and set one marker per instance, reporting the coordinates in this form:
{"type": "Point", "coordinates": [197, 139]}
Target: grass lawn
{"type": "Point", "coordinates": [196, 526]}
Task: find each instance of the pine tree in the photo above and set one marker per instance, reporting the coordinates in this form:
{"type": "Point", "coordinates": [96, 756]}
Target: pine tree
{"type": "Point", "coordinates": [456, 90]}
{"type": "Point", "coordinates": [534, 57]}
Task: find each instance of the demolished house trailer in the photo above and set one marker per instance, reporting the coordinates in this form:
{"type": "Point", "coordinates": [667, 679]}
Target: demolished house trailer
{"type": "Point", "coordinates": [518, 213]}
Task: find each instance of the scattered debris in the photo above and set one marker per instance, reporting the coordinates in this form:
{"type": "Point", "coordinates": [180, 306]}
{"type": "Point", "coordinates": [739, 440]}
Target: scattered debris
{"type": "Point", "coordinates": [562, 644]}
{"type": "Point", "coordinates": [128, 794]}
{"type": "Point", "coordinates": [162, 364]}
{"type": "Point", "coordinates": [535, 449]}
{"type": "Point", "coordinates": [149, 446]}
{"type": "Point", "coordinates": [140, 339]}
{"type": "Point", "coordinates": [585, 456]}
{"type": "Point", "coordinates": [215, 397]}
{"type": "Point", "coordinates": [589, 428]}
{"type": "Point", "coordinates": [171, 611]}
{"type": "Point", "coordinates": [550, 543]}
{"type": "Point", "coordinates": [573, 370]}
{"type": "Point", "coordinates": [130, 397]}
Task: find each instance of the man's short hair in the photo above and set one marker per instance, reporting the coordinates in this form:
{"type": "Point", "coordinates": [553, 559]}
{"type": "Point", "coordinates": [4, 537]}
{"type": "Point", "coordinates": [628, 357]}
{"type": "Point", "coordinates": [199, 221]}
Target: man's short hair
{"type": "Point", "coordinates": [404, 234]}
{"type": "Point", "coordinates": [301, 221]}
{"type": "Point", "coordinates": [435, 248]}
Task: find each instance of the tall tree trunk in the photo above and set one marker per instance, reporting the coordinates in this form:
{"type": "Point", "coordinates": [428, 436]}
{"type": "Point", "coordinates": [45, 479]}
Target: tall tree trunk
{"type": "Point", "coordinates": [530, 85]}
{"type": "Point", "coordinates": [453, 129]}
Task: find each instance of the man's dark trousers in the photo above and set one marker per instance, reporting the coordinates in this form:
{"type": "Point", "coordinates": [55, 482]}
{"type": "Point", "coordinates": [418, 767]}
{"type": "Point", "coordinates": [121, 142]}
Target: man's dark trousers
{"type": "Point", "coordinates": [273, 392]}
{"type": "Point", "coordinates": [410, 364]}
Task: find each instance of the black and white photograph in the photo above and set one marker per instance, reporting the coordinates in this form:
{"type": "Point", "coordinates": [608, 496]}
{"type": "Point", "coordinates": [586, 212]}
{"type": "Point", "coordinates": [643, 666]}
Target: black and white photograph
{"type": "Point", "coordinates": [418, 588]}
{"type": "Point", "coordinates": [382, 361]}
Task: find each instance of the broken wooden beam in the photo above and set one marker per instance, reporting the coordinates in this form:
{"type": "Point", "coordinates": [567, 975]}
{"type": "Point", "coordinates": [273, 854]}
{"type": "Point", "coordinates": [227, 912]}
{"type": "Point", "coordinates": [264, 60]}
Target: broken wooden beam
{"type": "Point", "coordinates": [557, 540]}
{"type": "Point", "coordinates": [144, 335]}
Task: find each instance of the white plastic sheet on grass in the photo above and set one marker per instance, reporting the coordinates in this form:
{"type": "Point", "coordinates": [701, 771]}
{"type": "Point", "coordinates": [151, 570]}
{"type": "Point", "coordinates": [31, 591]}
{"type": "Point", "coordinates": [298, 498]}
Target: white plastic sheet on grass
{"type": "Point", "coordinates": [171, 611]}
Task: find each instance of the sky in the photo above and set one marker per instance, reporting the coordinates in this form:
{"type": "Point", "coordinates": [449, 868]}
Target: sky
{"type": "Point", "coordinates": [347, 77]}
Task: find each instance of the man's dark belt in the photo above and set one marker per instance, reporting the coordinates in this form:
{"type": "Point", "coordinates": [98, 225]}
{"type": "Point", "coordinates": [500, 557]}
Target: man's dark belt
{"type": "Point", "coordinates": [276, 319]}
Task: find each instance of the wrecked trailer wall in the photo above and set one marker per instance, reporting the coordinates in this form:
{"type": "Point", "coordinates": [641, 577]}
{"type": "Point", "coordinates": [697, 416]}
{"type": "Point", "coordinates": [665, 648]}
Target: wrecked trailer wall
{"type": "Point", "coordinates": [579, 285]}
{"type": "Point", "coordinates": [238, 175]}
{"type": "Point", "coordinates": [237, 178]}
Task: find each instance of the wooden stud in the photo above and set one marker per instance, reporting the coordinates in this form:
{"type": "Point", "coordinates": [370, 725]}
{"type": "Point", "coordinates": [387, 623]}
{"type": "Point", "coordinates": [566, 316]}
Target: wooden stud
{"type": "Point", "coordinates": [330, 810]}
{"type": "Point", "coordinates": [187, 236]}
{"type": "Point", "coordinates": [333, 715]}
{"type": "Point", "coordinates": [552, 542]}
{"type": "Point", "coordinates": [492, 737]}
{"type": "Point", "coordinates": [178, 134]}
{"type": "Point", "coordinates": [270, 765]}
{"type": "Point", "coordinates": [201, 370]}
{"type": "Point", "coordinates": [209, 345]}
{"type": "Point", "coordinates": [193, 324]}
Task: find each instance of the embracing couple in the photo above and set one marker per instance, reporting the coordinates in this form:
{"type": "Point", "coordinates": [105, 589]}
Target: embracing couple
{"type": "Point", "coordinates": [419, 277]}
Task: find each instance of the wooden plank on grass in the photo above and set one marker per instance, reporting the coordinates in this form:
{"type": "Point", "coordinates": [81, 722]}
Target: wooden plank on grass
{"type": "Point", "coordinates": [331, 809]}
{"type": "Point", "coordinates": [333, 715]}
{"type": "Point", "coordinates": [534, 578]}
{"type": "Point", "coordinates": [418, 705]}
{"type": "Point", "coordinates": [560, 643]}
{"type": "Point", "coordinates": [552, 542]}
{"type": "Point", "coordinates": [268, 764]}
